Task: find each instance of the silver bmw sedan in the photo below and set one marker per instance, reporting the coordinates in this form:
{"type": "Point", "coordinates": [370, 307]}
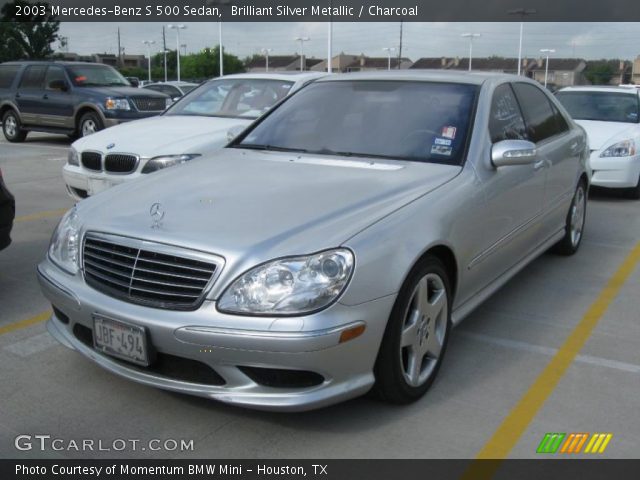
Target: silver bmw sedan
{"type": "Point", "coordinates": [330, 248]}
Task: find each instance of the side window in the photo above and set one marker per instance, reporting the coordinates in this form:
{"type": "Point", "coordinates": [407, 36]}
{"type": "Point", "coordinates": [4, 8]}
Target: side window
{"type": "Point", "coordinates": [33, 77]}
{"type": "Point", "coordinates": [155, 88]}
{"type": "Point", "coordinates": [7, 74]}
{"type": "Point", "coordinates": [54, 74]}
{"type": "Point", "coordinates": [538, 114]}
{"type": "Point", "coordinates": [505, 120]}
{"type": "Point", "coordinates": [561, 123]}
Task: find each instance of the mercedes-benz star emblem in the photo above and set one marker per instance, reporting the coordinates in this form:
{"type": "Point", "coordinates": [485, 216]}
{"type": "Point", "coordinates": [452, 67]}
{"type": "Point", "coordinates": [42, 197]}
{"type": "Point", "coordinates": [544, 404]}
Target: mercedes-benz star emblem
{"type": "Point", "coordinates": [110, 146]}
{"type": "Point", "coordinates": [157, 214]}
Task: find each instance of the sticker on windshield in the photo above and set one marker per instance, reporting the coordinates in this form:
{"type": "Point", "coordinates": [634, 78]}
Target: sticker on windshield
{"type": "Point", "coordinates": [441, 150]}
{"type": "Point", "coordinates": [449, 132]}
{"type": "Point", "coordinates": [442, 141]}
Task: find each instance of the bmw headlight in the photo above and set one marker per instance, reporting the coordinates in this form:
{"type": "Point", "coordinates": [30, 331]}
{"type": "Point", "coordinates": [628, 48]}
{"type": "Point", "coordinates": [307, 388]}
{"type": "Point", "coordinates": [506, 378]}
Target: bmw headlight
{"type": "Point", "coordinates": [73, 158]}
{"type": "Point", "coordinates": [117, 104]}
{"type": "Point", "coordinates": [290, 286]}
{"type": "Point", "coordinates": [164, 161]}
{"type": "Point", "coordinates": [626, 148]}
{"type": "Point", "coordinates": [65, 242]}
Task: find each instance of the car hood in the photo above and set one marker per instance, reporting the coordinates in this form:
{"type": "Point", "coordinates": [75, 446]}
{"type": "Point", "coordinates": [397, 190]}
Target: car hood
{"type": "Point", "coordinates": [163, 135]}
{"type": "Point", "coordinates": [122, 92]}
{"type": "Point", "coordinates": [604, 134]}
{"type": "Point", "coordinates": [255, 206]}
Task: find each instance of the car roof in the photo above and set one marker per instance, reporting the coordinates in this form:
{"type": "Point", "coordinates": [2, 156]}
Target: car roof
{"type": "Point", "coordinates": [472, 78]}
{"type": "Point", "coordinates": [287, 76]}
{"type": "Point", "coordinates": [601, 88]}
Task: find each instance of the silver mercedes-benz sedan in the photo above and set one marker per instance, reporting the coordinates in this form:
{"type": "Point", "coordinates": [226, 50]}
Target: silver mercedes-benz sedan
{"type": "Point", "coordinates": [330, 248]}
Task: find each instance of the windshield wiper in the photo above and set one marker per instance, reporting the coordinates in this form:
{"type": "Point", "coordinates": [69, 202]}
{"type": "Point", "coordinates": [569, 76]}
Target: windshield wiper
{"type": "Point", "coordinates": [326, 151]}
{"type": "Point", "coordinates": [271, 148]}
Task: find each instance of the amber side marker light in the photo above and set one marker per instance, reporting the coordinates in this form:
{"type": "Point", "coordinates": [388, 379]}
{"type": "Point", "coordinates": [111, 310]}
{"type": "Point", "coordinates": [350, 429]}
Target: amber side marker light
{"type": "Point", "coordinates": [352, 333]}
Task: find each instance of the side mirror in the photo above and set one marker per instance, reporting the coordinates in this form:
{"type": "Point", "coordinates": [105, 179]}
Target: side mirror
{"type": "Point", "coordinates": [234, 131]}
{"type": "Point", "coordinates": [58, 85]}
{"type": "Point", "coordinates": [134, 81]}
{"type": "Point", "coordinates": [513, 152]}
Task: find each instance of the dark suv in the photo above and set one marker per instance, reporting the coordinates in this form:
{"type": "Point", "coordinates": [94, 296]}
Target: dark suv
{"type": "Point", "coordinates": [69, 97]}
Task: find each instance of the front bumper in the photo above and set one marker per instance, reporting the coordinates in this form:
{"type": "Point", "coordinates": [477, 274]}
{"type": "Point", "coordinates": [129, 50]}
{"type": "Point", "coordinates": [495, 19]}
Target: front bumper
{"type": "Point", "coordinates": [615, 172]}
{"type": "Point", "coordinates": [82, 183]}
{"type": "Point", "coordinates": [204, 336]}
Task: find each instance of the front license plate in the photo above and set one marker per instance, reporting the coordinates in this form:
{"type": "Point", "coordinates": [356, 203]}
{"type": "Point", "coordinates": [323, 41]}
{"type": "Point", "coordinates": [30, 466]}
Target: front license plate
{"type": "Point", "coordinates": [96, 185]}
{"type": "Point", "coordinates": [120, 339]}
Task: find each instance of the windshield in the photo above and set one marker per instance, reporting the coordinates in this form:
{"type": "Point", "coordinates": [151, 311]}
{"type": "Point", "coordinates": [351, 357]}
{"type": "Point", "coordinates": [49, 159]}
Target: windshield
{"type": "Point", "coordinates": [187, 88]}
{"type": "Point", "coordinates": [423, 121]}
{"type": "Point", "coordinates": [237, 98]}
{"type": "Point", "coordinates": [603, 106]}
{"type": "Point", "coordinates": [96, 76]}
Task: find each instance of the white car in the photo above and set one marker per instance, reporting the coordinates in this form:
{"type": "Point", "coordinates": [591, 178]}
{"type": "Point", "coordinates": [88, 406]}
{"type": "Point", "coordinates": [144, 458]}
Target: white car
{"type": "Point", "coordinates": [611, 117]}
{"type": "Point", "coordinates": [202, 121]}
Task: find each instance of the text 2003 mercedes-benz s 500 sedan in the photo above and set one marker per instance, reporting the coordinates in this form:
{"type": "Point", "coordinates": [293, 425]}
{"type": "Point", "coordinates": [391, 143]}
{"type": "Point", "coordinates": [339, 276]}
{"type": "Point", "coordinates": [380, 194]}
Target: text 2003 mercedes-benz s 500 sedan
{"type": "Point", "coordinates": [330, 248]}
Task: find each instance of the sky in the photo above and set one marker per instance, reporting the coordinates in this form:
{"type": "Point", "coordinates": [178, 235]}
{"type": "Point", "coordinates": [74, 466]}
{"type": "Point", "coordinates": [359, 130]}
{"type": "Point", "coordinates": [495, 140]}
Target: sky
{"type": "Point", "coordinates": [584, 40]}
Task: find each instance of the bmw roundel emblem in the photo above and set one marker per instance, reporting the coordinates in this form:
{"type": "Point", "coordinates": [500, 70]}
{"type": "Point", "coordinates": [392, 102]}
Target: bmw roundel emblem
{"type": "Point", "coordinates": [110, 146]}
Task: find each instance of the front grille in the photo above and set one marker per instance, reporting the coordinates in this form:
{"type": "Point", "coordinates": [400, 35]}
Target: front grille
{"type": "Point", "coordinates": [144, 276]}
{"type": "Point", "coordinates": [119, 163]}
{"type": "Point", "coordinates": [149, 104]}
{"type": "Point", "coordinates": [92, 161]}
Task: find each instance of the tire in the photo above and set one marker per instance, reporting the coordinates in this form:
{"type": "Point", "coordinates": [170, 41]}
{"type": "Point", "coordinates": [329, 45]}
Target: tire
{"type": "Point", "coordinates": [89, 123]}
{"type": "Point", "coordinates": [634, 192]}
{"type": "Point", "coordinates": [416, 336]}
{"type": "Point", "coordinates": [574, 226]}
{"type": "Point", "coordinates": [12, 128]}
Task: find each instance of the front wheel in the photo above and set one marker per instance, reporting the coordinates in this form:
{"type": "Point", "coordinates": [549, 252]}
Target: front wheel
{"type": "Point", "coordinates": [89, 123]}
{"type": "Point", "coordinates": [416, 336]}
{"type": "Point", "coordinates": [11, 127]}
{"type": "Point", "coordinates": [574, 223]}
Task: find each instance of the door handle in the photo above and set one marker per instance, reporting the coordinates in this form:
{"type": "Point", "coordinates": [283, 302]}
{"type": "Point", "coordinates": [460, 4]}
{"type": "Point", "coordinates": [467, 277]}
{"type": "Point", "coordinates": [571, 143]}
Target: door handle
{"type": "Point", "coordinates": [575, 147]}
{"type": "Point", "coordinates": [45, 97]}
{"type": "Point", "coordinates": [539, 164]}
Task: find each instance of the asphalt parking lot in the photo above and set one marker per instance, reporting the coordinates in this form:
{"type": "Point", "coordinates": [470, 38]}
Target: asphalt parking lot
{"type": "Point", "coordinates": [494, 390]}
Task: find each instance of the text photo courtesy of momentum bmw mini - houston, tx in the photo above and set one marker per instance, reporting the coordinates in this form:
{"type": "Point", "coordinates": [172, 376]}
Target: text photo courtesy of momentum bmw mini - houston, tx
{"type": "Point", "coordinates": [286, 239]}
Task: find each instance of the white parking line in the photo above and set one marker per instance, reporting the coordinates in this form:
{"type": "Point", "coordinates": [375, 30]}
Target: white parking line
{"type": "Point", "coordinates": [35, 344]}
{"type": "Point", "coordinates": [548, 351]}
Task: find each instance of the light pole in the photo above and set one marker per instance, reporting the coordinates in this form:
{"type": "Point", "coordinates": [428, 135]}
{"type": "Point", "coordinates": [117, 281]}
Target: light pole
{"type": "Point", "coordinates": [389, 50]}
{"type": "Point", "coordinates": [266, 51]}
{"type": "Point", "coordinates": [547, 51]}
{"type": "Point", "coordinates": [148, 43]}
{"type": "Point", "coordinates": [302, 40]}
{"type": "Point", "coordinates": [522, 12]}
{"type": "Point", "coordinates": [177, 29]}
{"type": "Point", "coordinates": [471, 36]}
{"type": "Point", "coordinates": [165, 51]}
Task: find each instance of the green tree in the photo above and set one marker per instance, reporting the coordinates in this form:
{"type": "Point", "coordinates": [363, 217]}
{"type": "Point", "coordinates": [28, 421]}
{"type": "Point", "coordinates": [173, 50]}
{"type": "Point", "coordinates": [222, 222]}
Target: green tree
{"type": "Point", "coordinates": [29, 36]}
{"type": "Point", "coordinates": [206, 64]}
{"type": "Point", "coordinates": [599, 73]}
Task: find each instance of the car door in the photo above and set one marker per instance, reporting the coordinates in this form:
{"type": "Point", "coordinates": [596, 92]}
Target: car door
{"type": "Point", "coordinates": [558, 148]}
{"type": "Point", "coordinates": [57, 101]}
{"type": "Point", "coordinates": [514, 194]}
{"type": "Point", "coordinates": [29, 94]}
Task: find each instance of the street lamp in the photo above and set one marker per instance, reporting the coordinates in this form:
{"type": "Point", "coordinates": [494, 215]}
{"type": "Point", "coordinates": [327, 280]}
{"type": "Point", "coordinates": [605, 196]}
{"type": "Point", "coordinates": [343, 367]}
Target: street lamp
{"type": "Point", "coordinates": [302, 40]}
{"type": "Point", "coordinates": [522, 12]}
{"type": "Point", "coordinates": [389, 50]}
{"type": "Point", "coordinates": [471, 36]}
{"type": "Point", "coordinates": [165, 51]}
{"type": "Point", "coordinates": [266, 51]}
{"type": "Point", "coordinates": [547, 51]}
{"type": "Point", "coordinates": [222, 4]}
{"type": "Point", "coordinates": [177, 29]}
{"type": "Point", "coordinates": [148, 43]}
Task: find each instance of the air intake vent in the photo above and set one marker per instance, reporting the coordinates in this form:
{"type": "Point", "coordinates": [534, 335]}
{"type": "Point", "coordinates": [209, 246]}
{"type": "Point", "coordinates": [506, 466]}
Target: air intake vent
{"type": "Point", "coordinates": [92, 161]}
{"type": "Point", "coordinates": [119, 163]}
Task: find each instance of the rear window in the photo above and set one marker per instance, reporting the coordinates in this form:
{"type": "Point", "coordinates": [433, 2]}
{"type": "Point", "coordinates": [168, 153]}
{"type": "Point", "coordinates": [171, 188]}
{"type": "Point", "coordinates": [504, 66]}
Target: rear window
{"type": "Point", "coordinates": [7, 74]}
{"type": "Point", "coordinates": [601, 106]}
{"type": "Point", "coordinates": [405, 120]}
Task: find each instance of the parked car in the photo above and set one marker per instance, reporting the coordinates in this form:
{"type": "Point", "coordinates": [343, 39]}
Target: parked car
{"type": "Point", "coordinates": [73, 98]}
{"type": "Point", "coordinates": [175, 90]}
{"type": "Point", "coordinates": [7, 214]}
{"type": "Point", "coordinates": [611, 117]}
{"type": "Point", "coordinates": [200, 123]}
{"type": "Point", "coordinates": [330, 247]}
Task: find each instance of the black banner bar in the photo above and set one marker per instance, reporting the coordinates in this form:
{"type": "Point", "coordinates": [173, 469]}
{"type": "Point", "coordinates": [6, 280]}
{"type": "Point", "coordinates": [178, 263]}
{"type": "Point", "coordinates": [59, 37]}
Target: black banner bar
{"type": "Point", "coordinates": [547, 469]}
{"type": "Point", "coordinates": [332, 10]}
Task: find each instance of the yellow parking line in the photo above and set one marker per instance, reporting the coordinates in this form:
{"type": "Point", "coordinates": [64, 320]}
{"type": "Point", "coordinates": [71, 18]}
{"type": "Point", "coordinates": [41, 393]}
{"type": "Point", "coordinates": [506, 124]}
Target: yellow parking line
{"type": "Point", "coordinates": [12, 327]}
{"type": "Point", "coordinates": [41, 215]}
{"type": "Point", "coordinates": [519, 418]}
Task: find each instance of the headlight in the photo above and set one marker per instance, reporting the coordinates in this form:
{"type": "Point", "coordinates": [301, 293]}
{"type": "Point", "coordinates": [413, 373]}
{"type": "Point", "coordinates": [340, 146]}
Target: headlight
{"type": "Point", "coordinates": [117, 104]}
{"type": "Point", "coordinates": [164, 161]}
{"type": "Point", "coordinates": [290, 286]}
{"type": "Point", "coordinates": [626, 148]}
{"type": "Point", "coordinates": [64, 246]}
{"type": "Point", "coordinates": [73, 158]}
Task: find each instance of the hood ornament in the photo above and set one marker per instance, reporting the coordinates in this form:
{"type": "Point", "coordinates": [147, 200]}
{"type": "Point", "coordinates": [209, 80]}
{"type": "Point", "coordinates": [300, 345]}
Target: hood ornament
{"type": "Point", "coordinates": [157, 214]}
{"type": "Point", "coordinates": [110, 146]}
